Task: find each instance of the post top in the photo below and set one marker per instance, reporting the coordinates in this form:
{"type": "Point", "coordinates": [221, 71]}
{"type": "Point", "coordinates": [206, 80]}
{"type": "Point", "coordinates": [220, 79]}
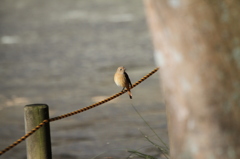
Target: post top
{"type": "Point", "coordinates": [36, 104]}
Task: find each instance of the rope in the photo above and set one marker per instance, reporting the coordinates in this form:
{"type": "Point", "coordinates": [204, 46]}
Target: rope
{"type": "Point", "coordinates": [74, 112]}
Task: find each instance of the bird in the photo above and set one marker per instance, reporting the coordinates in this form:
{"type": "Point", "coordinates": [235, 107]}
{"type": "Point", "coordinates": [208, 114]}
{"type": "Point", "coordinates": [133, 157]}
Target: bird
{"type": "Point", "coordinates": [122, 79]}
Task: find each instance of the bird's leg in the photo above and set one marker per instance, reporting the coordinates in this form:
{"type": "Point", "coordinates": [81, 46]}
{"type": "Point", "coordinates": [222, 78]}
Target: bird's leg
{"type": "Point", "coordinates": [122, 89]}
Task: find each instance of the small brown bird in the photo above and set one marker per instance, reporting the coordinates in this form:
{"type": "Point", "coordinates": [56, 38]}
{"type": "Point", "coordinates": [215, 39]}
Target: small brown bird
{"type": "Point", "coordinates": [122, 80]}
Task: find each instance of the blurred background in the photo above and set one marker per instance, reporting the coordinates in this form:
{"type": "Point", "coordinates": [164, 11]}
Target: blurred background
{"type": "Point", "coordinates": [64, 54]}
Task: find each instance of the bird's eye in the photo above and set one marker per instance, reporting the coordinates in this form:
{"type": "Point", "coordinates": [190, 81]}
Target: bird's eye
{"type": "Point", "coordinates": [120, 69]}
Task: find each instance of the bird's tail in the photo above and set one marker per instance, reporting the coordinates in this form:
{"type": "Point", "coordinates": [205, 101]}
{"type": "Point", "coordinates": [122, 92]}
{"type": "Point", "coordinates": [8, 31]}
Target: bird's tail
{"type": "Point", "coordinates": [130, 94]}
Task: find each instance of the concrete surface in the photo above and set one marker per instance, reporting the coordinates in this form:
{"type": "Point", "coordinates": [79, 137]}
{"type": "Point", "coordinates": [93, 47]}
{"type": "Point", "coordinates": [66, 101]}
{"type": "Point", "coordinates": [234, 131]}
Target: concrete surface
{"type": "Point", "coordinates": [64, 54]}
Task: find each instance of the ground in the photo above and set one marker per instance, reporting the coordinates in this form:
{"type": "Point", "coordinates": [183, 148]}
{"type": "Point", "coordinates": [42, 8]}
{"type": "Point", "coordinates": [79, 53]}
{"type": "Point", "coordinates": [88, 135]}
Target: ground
{"type": "Point", "coordinates": [64, 54]}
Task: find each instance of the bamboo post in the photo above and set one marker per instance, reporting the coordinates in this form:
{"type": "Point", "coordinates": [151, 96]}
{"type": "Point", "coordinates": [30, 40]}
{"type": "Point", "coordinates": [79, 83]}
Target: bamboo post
{"type": "Point", "coordinates": [39, 143]}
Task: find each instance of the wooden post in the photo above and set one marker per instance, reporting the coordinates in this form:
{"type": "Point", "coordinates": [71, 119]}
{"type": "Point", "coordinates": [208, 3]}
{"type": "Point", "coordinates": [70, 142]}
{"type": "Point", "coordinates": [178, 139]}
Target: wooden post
{"type": "Point", "coordinates": [39, 143]}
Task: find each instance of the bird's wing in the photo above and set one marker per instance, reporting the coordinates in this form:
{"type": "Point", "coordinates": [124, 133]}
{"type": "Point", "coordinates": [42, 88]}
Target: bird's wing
{"type": "Point", "coordinates": [128, 79]}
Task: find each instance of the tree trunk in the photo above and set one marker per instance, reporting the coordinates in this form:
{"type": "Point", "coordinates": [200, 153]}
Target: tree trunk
{"type": "Point", "coordinates": [197, 47]}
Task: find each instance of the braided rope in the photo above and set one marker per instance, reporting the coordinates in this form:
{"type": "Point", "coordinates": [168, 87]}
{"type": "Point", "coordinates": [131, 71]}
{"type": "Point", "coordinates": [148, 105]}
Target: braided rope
{"type": "Point", "coordinates": [74, 112]}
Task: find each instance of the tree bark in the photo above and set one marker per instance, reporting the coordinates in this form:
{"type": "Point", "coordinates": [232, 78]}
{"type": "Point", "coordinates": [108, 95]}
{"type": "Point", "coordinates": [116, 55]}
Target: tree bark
{"type": "Point", "coordinates": [197, 46]}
